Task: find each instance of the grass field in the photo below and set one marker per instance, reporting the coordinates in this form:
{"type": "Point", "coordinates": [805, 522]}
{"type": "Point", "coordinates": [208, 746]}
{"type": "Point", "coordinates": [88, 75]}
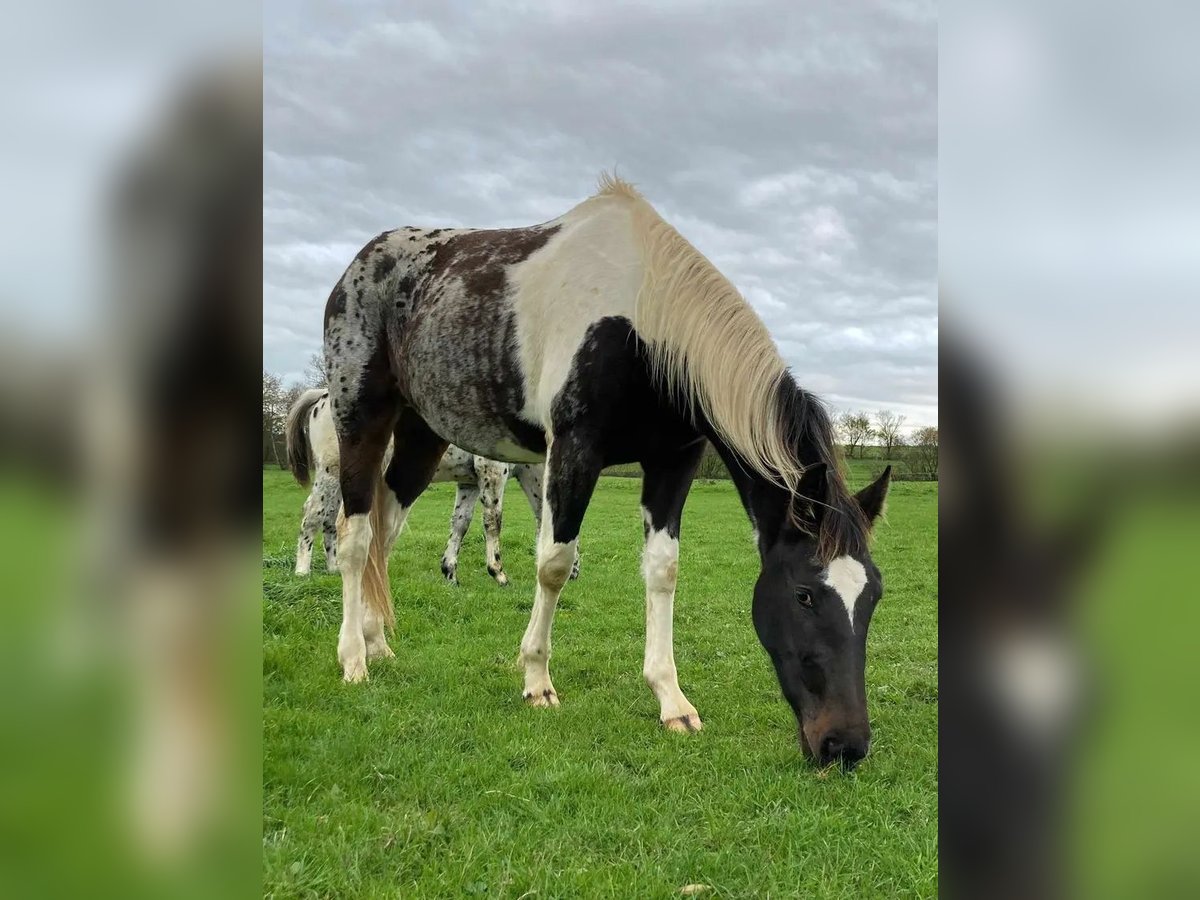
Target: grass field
{"type": "Point", "coordinates": [434, 779]}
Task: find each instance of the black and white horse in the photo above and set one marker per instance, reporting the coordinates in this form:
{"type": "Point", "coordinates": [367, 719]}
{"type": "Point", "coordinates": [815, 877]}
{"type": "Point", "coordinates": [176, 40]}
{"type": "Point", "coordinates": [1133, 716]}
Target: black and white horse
{"type": "Point", "coordinates": [312, 448]}
{"type": "Point", "coordinates": [597, 338]}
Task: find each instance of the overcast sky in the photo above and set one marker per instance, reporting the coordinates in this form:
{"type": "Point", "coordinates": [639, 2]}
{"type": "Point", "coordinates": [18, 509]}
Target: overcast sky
{"type": "Point", "coordinates": [795, 144]}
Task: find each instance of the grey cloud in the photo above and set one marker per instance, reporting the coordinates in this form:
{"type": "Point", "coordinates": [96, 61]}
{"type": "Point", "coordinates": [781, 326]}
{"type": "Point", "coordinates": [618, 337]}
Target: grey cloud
{"type": "Point", "coordinates": [795, 146]}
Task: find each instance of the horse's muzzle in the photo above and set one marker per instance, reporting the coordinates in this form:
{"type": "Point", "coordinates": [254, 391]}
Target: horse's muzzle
{"type": "Point", "coordinates": [847, 745]}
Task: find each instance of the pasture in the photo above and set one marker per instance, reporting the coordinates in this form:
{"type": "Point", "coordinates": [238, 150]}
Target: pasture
{"type": "Point", "coordinates": [435, 780]}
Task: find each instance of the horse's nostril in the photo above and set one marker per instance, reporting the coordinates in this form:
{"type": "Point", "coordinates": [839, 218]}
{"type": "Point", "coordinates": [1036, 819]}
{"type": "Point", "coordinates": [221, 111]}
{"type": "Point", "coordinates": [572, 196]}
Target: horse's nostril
{"type": "Point", "coordinates": [837, 747]}
{"type": "Point", "coordinates": [831, 748]}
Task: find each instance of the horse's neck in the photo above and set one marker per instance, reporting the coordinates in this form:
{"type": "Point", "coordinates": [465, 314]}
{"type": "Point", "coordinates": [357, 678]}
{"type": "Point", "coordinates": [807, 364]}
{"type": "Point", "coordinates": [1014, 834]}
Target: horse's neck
{"type": "Point", "coordinates": [765, 503]}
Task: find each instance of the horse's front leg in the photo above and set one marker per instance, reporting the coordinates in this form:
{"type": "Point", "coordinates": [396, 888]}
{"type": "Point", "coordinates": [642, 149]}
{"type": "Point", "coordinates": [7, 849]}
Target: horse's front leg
{"type": "Point", "coordinates": [664, 490]}
{"type": "Point", "coordinates": [572, 469]}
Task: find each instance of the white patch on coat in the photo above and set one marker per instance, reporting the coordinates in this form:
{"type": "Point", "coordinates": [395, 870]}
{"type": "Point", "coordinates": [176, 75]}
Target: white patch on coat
{"type": "Point", "coordinates": [1035, 676]}
{"type": "Point", "coordinates": [847, 577]}
{"type": "Point", "coordinates": [590, 269]}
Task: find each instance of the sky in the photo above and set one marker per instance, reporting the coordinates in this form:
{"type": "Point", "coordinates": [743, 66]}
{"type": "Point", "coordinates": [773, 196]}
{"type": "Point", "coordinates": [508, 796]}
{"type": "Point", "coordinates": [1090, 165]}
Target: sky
{"type": "Point", "coordinates": [794, 144]}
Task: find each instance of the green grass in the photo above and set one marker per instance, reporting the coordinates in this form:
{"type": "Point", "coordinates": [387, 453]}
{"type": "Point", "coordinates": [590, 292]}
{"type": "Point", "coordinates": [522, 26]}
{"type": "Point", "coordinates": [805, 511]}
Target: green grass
{"type": "Point", "coordinates": [434, 779]}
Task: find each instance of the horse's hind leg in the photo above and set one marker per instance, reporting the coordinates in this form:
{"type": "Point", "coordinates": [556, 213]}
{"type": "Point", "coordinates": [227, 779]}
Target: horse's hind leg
{"type": "Point", "coordinates": [492, 476]}
{"type": "Point", "coordinates": [362, 440]}
{"type": "Point", "coordinates": [465, 499]}
{"type": "Point", "coordinates": [308, 533]}
{"type": "Point", "coordinates": [415, 459]}
{"type": "Point", "coordinates": [331, 500]}
{"type": "Point", "coordinates": [572, 468]}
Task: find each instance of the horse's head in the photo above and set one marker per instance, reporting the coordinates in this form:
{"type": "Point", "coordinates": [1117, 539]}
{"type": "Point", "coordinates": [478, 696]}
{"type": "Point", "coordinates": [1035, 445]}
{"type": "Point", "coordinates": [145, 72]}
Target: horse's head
{"type": "Point", "coordinates": [812, 618]}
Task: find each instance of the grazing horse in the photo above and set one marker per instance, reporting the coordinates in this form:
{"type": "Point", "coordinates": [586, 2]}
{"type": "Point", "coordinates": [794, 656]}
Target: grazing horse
{"type": "Point", "coordinates": [597, 338]}
{"type": "Point", "coordinates": [312, 446]}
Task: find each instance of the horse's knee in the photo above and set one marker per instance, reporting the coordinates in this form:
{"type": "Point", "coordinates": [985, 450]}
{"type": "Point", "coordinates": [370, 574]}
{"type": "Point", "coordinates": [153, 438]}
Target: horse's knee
{"type": "Point", "coordinates": [554, 566]}
{"type": "Point", "coordinates": [354, 542]}
{"type": "Point", "coordinates": [660, 561]}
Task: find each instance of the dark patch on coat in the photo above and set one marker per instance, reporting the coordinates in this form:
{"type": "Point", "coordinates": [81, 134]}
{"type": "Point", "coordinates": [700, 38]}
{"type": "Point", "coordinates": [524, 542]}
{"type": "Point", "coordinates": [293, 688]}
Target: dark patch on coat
{"type": "Point", "coordinates": [415, 459]}
{"type": "Point", "coordinates": [480, 257]}
{"type": "Point", "coordinates": [512, 393]}
{"type": "Point", "coordinates": [372, 245]}
{"type": "Point", "coordinates": [364, 425]}
{"type": "Point", "coordinates": [336, 305]}
{"type": "Point", "coordinates": [383, 265]}
{"type": "Point", "coordinates": [610, 411]}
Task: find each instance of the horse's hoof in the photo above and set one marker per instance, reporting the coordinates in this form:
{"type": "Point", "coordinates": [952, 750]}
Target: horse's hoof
{"type": "Point", "coordinates": [355, 671]}
{"type": "Point", "coordinates": [545, 698]}
{"type": "Point", "coordinates": [684, 724]}
{"type": "Point", "coordinates": [380, 651]}
{"type": "Point", "coordinates": [501, 578]}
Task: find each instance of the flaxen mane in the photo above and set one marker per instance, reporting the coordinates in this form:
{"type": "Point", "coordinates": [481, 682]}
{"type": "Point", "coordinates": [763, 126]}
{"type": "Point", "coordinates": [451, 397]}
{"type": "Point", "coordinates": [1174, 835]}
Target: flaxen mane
{"type": "Point", "coordinates": [707, 345]}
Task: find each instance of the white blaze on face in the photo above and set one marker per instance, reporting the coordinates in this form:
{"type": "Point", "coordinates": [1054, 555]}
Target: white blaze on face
{"type": "Point", "coordinates": [847, 577]}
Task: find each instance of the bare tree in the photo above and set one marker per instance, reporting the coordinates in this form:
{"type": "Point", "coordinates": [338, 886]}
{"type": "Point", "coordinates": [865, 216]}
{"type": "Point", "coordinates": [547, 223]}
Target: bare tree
{"type": "Point", "coordinates": [887, 427]}
{"type": "Point", "coordinates": [923, 452]}
{"type": "Point", "coordinates": [855, 430]}
{"type": "Point", "coordinates": [315, 374]}
{"type": "Point", "coordinates": [274, 413]}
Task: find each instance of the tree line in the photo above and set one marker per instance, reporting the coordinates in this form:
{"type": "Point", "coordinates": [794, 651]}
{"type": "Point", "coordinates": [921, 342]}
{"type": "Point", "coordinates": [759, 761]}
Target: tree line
{"type": "Point", "coordinates": [278, 399]}
{"type": "Point", "coordinates": [916, 455]}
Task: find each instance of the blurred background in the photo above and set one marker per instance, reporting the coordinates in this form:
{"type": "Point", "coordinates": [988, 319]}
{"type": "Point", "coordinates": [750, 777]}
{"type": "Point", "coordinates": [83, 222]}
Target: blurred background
{"type": "Point", "coordinates": [130, 284]}
{"type": "Point", "coordinates": [130, 291]}
{"type": "Point", "coordinates": [1070, 386]}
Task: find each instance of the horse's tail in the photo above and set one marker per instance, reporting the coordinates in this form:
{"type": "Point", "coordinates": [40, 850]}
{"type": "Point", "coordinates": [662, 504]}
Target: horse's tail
{"type": "Point", "coordinates": [299, 453]}
{"type": "Point", "coordinates": [376, 589]}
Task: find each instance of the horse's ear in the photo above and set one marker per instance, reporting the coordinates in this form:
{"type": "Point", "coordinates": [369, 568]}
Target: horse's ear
{"type": "Point", "coordinates": [871, 498]}
{"type": "Point", "coordinates": [812, 484]}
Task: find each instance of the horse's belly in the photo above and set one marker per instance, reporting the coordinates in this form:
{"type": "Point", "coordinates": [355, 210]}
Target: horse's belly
{"type": "Point", "coordinates": [461, 374]}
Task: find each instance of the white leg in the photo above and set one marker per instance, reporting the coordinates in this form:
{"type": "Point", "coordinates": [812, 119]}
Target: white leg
{"type": "Point", "coordinates": [660, 568]}
{"type": "Point", "coordinates": [308, 533]}
{"type": "Point", "coordinates": [553, 569]}
{"type": "Point", "coordinates": [492, 491]}
{"type": "Point", "coordinates": [354, 543]}
{"type": "Point", "coordinates": [460, 521]}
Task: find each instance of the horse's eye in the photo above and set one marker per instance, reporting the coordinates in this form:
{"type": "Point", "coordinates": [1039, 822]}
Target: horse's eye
{"type": "Point", "coordinates": [804, 597]}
